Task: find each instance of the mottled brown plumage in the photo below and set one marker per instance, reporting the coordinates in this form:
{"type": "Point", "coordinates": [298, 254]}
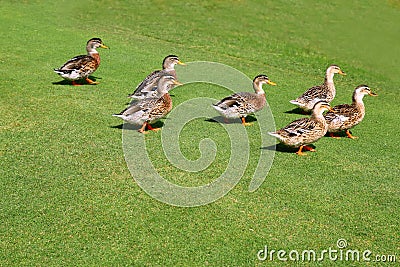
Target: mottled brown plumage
{"type": "Point", "coordinates": [80, 67]}
{"type": "Point", "coordinates": [324, 92]}
{"type": "Point", "coordinates": [345, 116]}
{"type": "Point", "coordinates": [147, 88]}
{"type": "Point", "coordinates": [241, 104]}
{"type": "Point", "coordinates": [147, 110]}
{"type": "Point", "coordinates": [305, 131]}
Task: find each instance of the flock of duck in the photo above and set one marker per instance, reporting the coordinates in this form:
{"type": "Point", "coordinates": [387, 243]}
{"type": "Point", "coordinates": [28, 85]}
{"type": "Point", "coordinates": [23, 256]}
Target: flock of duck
{"type": "Point", "coordinates": [152, 100]}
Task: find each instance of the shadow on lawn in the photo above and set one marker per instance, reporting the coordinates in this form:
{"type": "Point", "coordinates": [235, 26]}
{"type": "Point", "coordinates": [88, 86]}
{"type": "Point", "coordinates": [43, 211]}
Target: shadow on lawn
{"type": "Point", "coordinates": [132, 127]}
{"type": "Point", "coordinates": [220, 119]}
{"type": "Point", "coordinates": [341, 134]}
{"type": "Point", "coordinates": [80, 82]}
{"type": "Point", "coordinates": [297, 111]}
{"type": "Point", "coordinates": [282, 148]}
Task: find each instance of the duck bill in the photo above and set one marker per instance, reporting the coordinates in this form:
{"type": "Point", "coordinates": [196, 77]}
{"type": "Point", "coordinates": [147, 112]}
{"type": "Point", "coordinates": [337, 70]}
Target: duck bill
{"type": "Point", "coordinates": [330, 109]}
{"type": "Point", "coordinates": [181, 63]}
{"type": "Point", "coordinates": [372, 94]}
{"type": "Point", "coordinates": [104, 46]}
{"type": "Point", "coordinates": [342, 72]}
{"type": "Point", "coordinates": [271, 83]}
{"type": "Point", "coordinates": [178, 83]}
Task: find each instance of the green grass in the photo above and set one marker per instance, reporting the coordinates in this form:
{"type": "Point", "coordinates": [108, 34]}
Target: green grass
{"type": "Point", "coordinates": [67, 195]}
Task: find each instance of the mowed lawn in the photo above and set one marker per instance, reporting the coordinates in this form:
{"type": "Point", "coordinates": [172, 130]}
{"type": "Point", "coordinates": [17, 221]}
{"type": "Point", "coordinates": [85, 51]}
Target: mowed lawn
{"type": "Point", "coordinates": [67, 196]}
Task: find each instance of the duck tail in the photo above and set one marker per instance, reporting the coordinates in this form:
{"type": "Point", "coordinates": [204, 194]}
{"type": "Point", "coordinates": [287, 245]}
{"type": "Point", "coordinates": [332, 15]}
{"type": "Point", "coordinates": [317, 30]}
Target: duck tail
{"type": "Point", "coordinates": [137, 97]}
{"type": "Point", "coordinates": [61, 72]}
{"type": "Point", "coordinates": [274, 134]}
{"type": "Point", "coordinates": [118, 115]}
{"type": "Point", "coordinates": [218, 107]}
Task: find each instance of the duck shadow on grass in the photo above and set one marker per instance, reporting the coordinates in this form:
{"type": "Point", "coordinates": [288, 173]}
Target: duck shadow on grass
{"type": "Point", "coordinates": [341, 134]}
{"type": "Point", "coordinates": [80, 82]}
{"type": "Point", "coordinates": [282, 148]}
{"type": "Point", "coordinates": [297, 111]}
{"type": "Point", "coordinates": [220, 119]}
{"type": "Point", "coordinates": [133, 127]}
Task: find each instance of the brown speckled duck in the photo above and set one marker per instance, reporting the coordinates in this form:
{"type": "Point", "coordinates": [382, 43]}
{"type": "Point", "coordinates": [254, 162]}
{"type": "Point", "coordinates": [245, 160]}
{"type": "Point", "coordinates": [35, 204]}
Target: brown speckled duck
{"type": "Point", "coordinates": [305, 131]}
{"type": "Point", "coordinates": [147, 110]}
{"type": "Point", "coordinates": [148, 86]}
{"type": "Point", "coordinates": [345, 116]}
{"type": "Point", "coordinates": [80, 67]}
{"type": "Point", "coordinates": [324, 92]}
{"type": "Point", "coordinates": [241, 104]}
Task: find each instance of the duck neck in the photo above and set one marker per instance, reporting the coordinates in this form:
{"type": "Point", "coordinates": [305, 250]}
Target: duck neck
{"type": "Point", "coordinates": [94, 54]}
{"type": "Point", "coordinates": [171, 72]}
{"type": "Point", "coordinates": [317, 115]}
{"type": "Point", "coordinates": [329, 77]}
{"type": "Point", "coordinates": [161, 90]}
{"type": "Point", "coordinates": [331, 92]}
{"type": "Point", "coordinates": [169, 67]}
{"type": "Point", "coordinates": [257, 86]}
{"type": "Point", "coordinates": [358, 101]}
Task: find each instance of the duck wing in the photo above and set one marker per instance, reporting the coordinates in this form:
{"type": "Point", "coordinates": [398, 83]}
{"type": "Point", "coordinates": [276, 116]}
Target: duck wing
{"type": "Point", "coordinates": [344, 109]}
{"type": "Point", "coordinates": [77, 63]}
{"type": "Point", "coordinates": [298, 128]}
{"type": "Point", "coordinates": [237, 100]}
{"type": "Point", "coordinates": [315, 92]}
{"type": "Point", "coordinates": [148, 84]}
{"type": "Point", "coordinates": [344, 112]}
{"type": "Point", "coordinates": [142, 105]}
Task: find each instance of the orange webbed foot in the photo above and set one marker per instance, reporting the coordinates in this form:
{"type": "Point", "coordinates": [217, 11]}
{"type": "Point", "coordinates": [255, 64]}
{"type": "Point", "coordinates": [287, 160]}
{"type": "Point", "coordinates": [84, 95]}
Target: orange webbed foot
{"type": "Point", "coordinates": [143, 128]}
{"type": "Point", "coordinates": [300, 152]}
{"type": "Point", "coordinates": [152, 129]}
{"type": "Point", "coordinates": [308, 148]}
{"type": "Point", "coordinates": [244, 122]}
{"type": "Point", "coordinates": [89, 81]}
{"type": "Point", "coordinates": [350, 136]}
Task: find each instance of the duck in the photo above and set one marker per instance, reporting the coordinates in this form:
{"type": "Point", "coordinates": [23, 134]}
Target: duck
{"type": "Point", "coordinates": [81, 67]}
{"type": "Point", "coordinates": [241, 104]}
{"type": "Point", "coordinates": [345, 116]}
{"type": "Point", "coordinates": [302, 132]}
{"type": "Point", "coordinates": [147, 88]}
{"type": "Point", "coordinates": [325, 91]}
{"type": "Point", "coordinates": [147, 110]}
